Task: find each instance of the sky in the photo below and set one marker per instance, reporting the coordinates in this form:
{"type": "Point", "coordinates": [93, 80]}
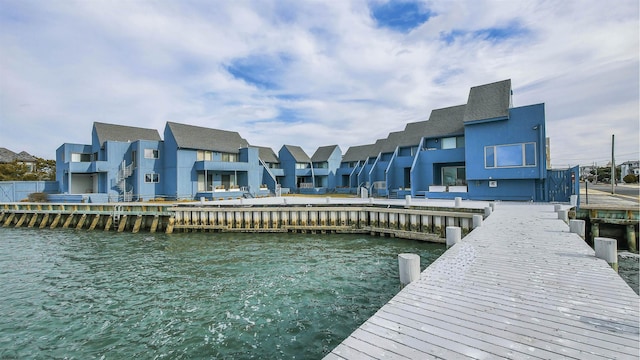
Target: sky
{"type": "Point", "coordinates": [315, 73]}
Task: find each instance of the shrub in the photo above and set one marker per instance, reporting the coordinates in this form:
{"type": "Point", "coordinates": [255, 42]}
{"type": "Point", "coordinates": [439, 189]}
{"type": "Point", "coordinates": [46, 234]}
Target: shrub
{"type": "Point", "coordinates": [38, 197]}
{"type": "Point", "coordinates": [630, 178]}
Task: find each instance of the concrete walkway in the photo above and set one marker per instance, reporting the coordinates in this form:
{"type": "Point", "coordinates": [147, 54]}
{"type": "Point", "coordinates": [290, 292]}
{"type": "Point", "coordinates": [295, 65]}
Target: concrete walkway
{"type": "Point", "coordinates": [520, 286]}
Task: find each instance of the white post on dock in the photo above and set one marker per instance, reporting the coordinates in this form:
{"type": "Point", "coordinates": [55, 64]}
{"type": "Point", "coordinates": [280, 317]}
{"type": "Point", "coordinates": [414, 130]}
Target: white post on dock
{"type": "Point", "coordinates": [574, 200]}
{"type": "Point", "coordinates": [487, 211]}
{"type": "Point", "coordinates": [477, 221]}
{"type": "Point", "coordinates": [577, 227]}
{"type": "Point", "coordinates": [458, 201]}
{"type": "Point", "coordinates": [454, 234]}
{"type": "Point", "coordinates": [409, 266]}
{"type": "Point", "coordinates": [492, 205]}
{"type": "Point", "coordinates": [407, 200]}
{"type": "Point", "coordinates": [557, 207]}
{"type": "Point", "coordinates": [607, 250]}
{"type": "Point", "coordinates": [563, 215]}
{"type": "Point", "coordinates": [328, 199]}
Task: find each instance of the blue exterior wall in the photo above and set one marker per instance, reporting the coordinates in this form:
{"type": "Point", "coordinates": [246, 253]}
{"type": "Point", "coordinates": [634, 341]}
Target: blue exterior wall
{"type": "Point", "coordinates": [524, 125]}
{"type": "Point", "coordinates": [14, 191]}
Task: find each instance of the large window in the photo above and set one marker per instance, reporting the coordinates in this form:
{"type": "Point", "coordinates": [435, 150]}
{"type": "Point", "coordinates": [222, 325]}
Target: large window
{"type": "Point", "coordinates": [513, 155]}
{"type": "Point", "coordinates": [321, 165]}
{"type": "Point", "coordinates": [302, 165]}
{"type": "Point", "coordinates": [151, 153]}
{"type": "Point", "coordinates": [454, 176]}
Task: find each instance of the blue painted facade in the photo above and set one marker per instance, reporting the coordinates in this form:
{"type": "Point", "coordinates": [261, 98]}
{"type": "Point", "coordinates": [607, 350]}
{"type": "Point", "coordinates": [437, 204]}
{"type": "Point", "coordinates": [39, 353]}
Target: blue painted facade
{"type": "Point", "coordinates": [485, 149]}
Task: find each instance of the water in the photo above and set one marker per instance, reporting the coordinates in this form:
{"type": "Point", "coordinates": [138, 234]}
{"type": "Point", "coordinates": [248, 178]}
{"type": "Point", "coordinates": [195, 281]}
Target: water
{"type": "Point", "coordinates": [95, 295]}
{"type": "Point", "coordinates": [629, 269]}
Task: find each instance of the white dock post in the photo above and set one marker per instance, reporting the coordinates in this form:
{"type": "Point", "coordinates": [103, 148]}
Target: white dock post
{"type": "Point", "coordinates": [407, 200]}
{"type": "Point", "coordinates": [284, 200]}
{"type": "Point", "coordinates": [574, 200]}
{"type": "Point", "coordinates": [370, 200]}
{"type": "Point", "coordinates": [458, 201]}
{"type": "Point", "coordinates": [577, 227]}
{"type": "Point", "coordinates": [409, 266]}
{"type": "Point", "coordinates": [328, 200]}
{"type": "Point", "coordinates": [477, 221]}
{"type": "Point", "coordinates": [492, 205]}
{"type": "Point", "coordinates": [563, 215]}
{"type": "Point", "coordinates": [607, 249]}
{"type": "Point", "coordinates": [487, 211]}
{"type": "Point", "coordinates": [557, 207]}
{"type": "Point", "coordinates": [454, 234]}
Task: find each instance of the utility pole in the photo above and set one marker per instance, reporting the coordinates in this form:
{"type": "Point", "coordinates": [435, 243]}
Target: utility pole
{"type": "Point", "coordinates": [613, 165]}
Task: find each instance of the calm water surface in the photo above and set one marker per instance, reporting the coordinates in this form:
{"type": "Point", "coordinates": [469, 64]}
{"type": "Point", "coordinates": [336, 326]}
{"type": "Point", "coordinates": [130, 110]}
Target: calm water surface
{"type": "Point", "coordinates": [83, 295]}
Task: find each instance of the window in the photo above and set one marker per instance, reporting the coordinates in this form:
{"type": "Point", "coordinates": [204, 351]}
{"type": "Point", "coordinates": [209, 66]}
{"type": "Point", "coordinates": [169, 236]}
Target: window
{"type": "Point", "coordinates": [301, 165]}
{"type": "Point", "coordinates": [79, 157]}
{"type": "Point", "coordinates": [449, 143]}
{"type": "Point", "coordinates": [454, 175]}
{"type": "Point", "coordinates": [152, 178]}
{"type": "Point", "coordinates": [151, 154]}
{"type": "Point", "coordinates": [321, 165]}
{"type": "Point", "coordinates": [226, 157]}
{"type": "Point", "coordinates": [204, 155]}
{"type": "Point", "coordinates": [513, 155]}
{"type": "Point", "coordinates": [134, 156]}
{"type": "Point", "coordinates": [453, 142]}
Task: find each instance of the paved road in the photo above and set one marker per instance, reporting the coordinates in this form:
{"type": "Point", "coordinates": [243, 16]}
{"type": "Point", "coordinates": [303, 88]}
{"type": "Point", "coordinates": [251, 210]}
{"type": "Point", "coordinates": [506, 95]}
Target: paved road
{"type": "Point", "coordinates": [601, 193]}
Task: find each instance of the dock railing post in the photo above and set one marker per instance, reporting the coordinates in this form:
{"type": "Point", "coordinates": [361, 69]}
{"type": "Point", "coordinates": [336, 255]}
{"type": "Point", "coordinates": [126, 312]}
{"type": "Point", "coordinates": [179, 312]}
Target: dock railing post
{"type": "Point", "coordinates": [607, 250]}
{"type": "Point", "coordinates": [458, 201]}
{"type": "Point", "coordinates": [563, 215]}
{"type": "Point", "coordinates": [477, 221]}
{"type": "Point", "coordinates": [487, 211]}
{"type": "Point", "coordinates": [577, 227]}
{"type": "Point", "coordinates": [409, 268]}
{"type": "Point", "coordinates": [454, 234]}
{"type": "Point", "coordinates": [407, 200]}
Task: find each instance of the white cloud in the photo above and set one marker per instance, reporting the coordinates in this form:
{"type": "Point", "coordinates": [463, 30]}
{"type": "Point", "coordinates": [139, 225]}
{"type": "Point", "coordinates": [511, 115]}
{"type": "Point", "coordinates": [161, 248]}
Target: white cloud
{"type": "Point", "coordinates": [66, 64]}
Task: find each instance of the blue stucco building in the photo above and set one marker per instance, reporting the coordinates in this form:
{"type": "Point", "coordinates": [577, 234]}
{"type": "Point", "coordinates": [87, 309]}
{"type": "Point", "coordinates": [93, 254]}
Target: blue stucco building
{"type": "Point", "coordinates": [485, 149]}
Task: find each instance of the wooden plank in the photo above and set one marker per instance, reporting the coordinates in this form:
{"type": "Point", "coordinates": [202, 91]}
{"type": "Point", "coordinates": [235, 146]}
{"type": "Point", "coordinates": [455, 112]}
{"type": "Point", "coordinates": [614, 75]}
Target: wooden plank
{"type": "Point", "coordinates": [520, 286]}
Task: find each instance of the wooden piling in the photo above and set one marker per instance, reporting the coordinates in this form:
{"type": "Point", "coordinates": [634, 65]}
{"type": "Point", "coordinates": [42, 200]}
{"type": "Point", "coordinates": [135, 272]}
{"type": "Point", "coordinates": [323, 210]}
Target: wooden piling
{"type": "Point", "coordinates": [81, 221]}
{"type": "Point", "coordinates": [136, 225]}
{"type": "Point", "coordinates": [9, 219]}
{"type": "Point", "coordinates": [55, 221]}
{"type": "Point", "coordinates": [21, 220]}
{"type": "Point", "coordinates": [631, 238]}
{"type": "Point", "coordinates": [94, 223]}
{"type": "Point", "coordinates": [44, 221]}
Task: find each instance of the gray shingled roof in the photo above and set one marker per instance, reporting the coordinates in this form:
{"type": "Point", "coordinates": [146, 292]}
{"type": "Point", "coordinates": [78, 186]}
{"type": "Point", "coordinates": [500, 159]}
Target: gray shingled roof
{"type": "Point", "coordinates": [323, 153]}
{"type": "Point", "coordinates": [112, 132]}
{"type": "Point", "coordinates": [267, 154]}
{"type": "Point", "coordinates": [7, 156]}
{"type": "Point", "coordinates": [488, 101]}
{"type": "Point", "coordinates": [201, 138]}
{"type": "Point", "coordinates": [298, 154]}
{"type": "Point", "coordinates": [357, 153]}
{"type": "Point", "coordinates": [442, 122]}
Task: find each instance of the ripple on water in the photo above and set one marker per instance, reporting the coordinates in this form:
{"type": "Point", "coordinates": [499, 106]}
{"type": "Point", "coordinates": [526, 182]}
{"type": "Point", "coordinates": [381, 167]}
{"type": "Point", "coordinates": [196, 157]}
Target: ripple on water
{"type": "Point", "coordinates": [78, 294]}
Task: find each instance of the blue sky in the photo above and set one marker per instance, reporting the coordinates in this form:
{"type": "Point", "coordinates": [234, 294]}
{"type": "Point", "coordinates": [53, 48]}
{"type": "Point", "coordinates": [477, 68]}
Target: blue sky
{"type": "Point", "coordinates": [315, 73]}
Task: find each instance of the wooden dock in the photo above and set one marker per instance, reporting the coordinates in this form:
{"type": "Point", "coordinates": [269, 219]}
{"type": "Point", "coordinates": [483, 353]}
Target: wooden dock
{"type": "Point", "coordinates": [519, 286]}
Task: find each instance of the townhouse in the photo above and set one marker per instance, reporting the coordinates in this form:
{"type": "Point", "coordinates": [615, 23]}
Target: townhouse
{"type": "Point", "coordinates": [483, 149]}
